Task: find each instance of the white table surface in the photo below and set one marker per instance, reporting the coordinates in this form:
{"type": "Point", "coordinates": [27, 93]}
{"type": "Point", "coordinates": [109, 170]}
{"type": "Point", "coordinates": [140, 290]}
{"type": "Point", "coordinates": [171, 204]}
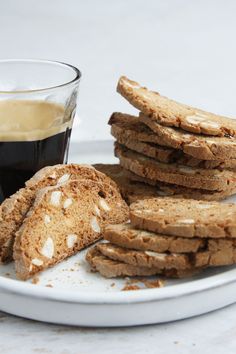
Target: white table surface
{"type": "Point", "coordinates": [183, 48]}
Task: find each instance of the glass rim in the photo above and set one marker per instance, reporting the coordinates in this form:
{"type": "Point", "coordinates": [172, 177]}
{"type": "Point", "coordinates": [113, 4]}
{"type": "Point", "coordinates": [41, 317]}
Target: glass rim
{"type": "Point", "coordinates": [76, 79]}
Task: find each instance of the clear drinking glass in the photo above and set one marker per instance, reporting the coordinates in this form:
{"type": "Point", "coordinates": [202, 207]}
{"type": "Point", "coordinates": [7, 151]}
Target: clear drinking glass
{"type": "Point", "coordinates": [37, 107]}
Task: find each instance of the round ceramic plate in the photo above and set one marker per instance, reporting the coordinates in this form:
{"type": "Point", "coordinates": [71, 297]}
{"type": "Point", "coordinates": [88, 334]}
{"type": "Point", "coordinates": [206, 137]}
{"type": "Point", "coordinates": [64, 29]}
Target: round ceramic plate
{"type": "Point", "coordinates": [70, 294]}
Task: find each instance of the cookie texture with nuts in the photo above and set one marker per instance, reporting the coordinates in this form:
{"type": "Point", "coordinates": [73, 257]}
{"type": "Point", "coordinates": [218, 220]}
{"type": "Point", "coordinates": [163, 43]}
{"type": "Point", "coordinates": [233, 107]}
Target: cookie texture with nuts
{"type": "Point", "coordinates": [180, 261]}
{"type": "Point", "coordinates": [171, 113]}
{"type": "Point", "coordinates": [134, 187]}
{"type": "Point", "coordinates": [132, 133]}
{"type": "Point", "coordinates": [62, 220]}
{"type": "Point", "coordinates": [110, 268]}
{"type": "Point", "coordinates": [125, 235]}
{"type": "Point", "coordinates": [14, 209]}
{"type": "Point", "coordinates": [186, 218]}
{"type": "Point", "coordinates": [200, 147]}
{"type": "Point", "coordinates": [147, 259]}
{"type": "Point", "coordinates": [221, 251]}
{"type": "Point", "coordinates": [175, 173]}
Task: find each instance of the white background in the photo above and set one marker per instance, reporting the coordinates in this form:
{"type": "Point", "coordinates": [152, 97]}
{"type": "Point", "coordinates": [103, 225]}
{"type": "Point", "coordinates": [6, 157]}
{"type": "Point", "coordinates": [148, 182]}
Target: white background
{"type": "Point", "coordinates": [182, 48]}
{"type": "Point", "coordinates": [185, 49]}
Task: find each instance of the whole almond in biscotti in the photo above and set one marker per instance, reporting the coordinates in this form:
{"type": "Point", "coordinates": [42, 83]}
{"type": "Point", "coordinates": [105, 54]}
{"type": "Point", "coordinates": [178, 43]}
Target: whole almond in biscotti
{"type": "Point", "coordinates": [174, 173]}
{"type": "Point", "coordinates": [134, 187]}
{"type": "Point", "coordinates": [125, 235]}
{"type": "Point", "coordinates": [131, 132]}
{"type": "Point", "coordinates": [200, 147]}
{"type": "Point", "coordinates": [62, 220]}
{"type": "Point", "coordinates": [185, 217]}
{"type": "Point", "coordinates": [171, 113]}
{"type": "Point", "coordinates": [113, 269]}
{"type": "Point", "coordinates": [14, 209]}
{"type": "Point", "coordinates": [181, 261]}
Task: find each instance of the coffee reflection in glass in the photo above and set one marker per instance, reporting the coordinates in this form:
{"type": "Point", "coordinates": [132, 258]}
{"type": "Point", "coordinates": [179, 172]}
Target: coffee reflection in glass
{"type": "Point", "coordinates": [37, 108]}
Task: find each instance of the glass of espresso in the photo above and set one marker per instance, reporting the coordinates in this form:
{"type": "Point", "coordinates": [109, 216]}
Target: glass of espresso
{"type": "Point", "coordinates": [37, 108]}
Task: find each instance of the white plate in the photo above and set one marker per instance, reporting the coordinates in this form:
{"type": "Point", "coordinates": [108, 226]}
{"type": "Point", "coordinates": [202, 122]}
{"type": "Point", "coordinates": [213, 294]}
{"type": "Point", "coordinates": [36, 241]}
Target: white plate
{"type": "Point", "coordinates": [70, 294]}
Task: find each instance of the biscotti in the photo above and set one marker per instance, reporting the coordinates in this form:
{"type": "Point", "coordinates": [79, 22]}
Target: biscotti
{"type": "Point", "coordinates": [131, 132]}
{"type": "Point", "coordinates": [113, 269]}
{"type": "Point", "coordinates": [130, 126]}
{"type": "Point", "coordinates": [125, 235]}
{"type": "Point", "coordinates": [147, 259]}
{"type": "Point", "coordinates": [200, 147]}
{"type": "Point", "coordinates": [175, 173]}
{"type": "Point", "coordinates": [186, 218]}
{"type": "Point", "coordinates": [14, 209]}
{"type": "Point", "coordinates": [176, 191]}
{"type": "Point", "coordinates": [171, 113]}
{"type": "Point", "coordinates": [62, 220]}
{"type": "Point", "coordinates": [221, 251]}
{"type": "Point", "coordinates": [134, 187]}
{"type": "Point", "coordinates": [130, 189]}
{"type": "Point", "coordinates": [181, 261]}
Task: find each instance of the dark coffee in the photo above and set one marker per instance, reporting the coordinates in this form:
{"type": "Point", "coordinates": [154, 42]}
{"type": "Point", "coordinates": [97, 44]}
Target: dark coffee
{"type": "Point", "coordinates": [35, 136]}
{"type": "Point", "coordinates": [20, 160]}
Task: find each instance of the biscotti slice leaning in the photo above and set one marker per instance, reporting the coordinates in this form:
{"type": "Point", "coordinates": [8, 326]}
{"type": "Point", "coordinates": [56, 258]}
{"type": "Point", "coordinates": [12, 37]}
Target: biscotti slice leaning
{"type": "Point", "coordinates": [14, 209]}
{"type": "Point", "coordinates": [181, 261]}
{"type": "Point", "coordinates": [113, 269]}
{"type": "Point", "coordinates": [200, 147]}
{"type": "Point", "coordinates": [186, 176]}
{"type": "Point", "coordinates": [171, 113]}
{"type": "Point", "coordinates": [134, 187]}
{"type": "Point", "coordinates": [63, 220]}
{"type": "Point", "coordinates": [132, 133]}
{"type": "Point", "coordinates": [185, 217]}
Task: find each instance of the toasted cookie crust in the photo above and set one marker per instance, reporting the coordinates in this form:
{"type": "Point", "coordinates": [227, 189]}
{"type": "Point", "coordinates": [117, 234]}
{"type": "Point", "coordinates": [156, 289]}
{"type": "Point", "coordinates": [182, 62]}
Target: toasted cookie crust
{"type": "Point", "coordinates": [131, 132]}
{"type": "Point", "coordinates": [186, 218]}
{"type": "Point", "coordinates": [125, 235]}
{"type": "Point", "coordinates": [200, 147]}
{"type": "Point", "coordinates": [113, 269]}
{"type": "Point", "coordinates": [134, 187]}
{"type": "Point", "coordinates": [184, 261]}
{"type": "Point", "coordinates": [171, 113]}
{"type": "Point", "coordinates": [174, 173]}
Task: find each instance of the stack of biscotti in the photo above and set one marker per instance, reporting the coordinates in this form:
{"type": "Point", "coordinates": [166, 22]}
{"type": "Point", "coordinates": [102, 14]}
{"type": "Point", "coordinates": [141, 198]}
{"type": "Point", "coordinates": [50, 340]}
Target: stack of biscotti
{"type": "Point", "coordinates": [175, 144]}
{"type": "Point", "coordinates": [61, 210]}
{"type": "Point", "coordinates": [134, 188]}
{"type": "Point", "coordinates": [167, 236]}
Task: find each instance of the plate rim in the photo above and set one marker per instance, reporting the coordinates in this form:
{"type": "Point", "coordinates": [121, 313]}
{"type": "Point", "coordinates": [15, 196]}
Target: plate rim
{"type": "Point", "coordinates": [120, 297]}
